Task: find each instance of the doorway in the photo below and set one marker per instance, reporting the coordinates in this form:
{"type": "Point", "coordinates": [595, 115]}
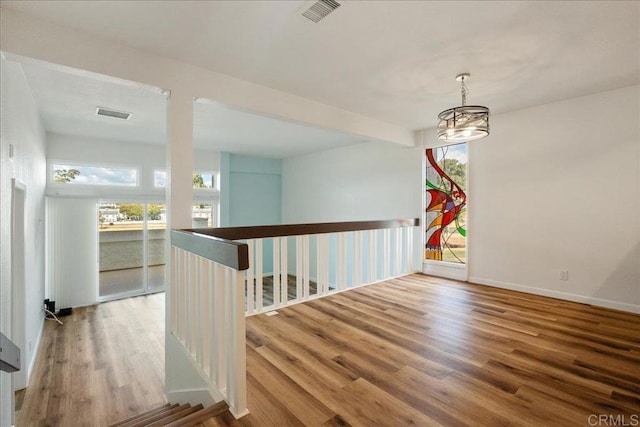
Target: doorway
{"type": "Point", "coordinates": [18, 310]}
{"type": "Point", "coordinates": [131, 248]}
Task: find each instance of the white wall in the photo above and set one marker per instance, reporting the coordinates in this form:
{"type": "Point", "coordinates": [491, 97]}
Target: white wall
{"type": "Point", "coordinates": [371, 181]}
{"type": "Point", "coordinates": [21, 127]}
{"type": "Point", "coordinates": [73, 251]}
{"type": "Point", "coordinates": [557, 187]}
{"type": "Point", "coordinates": [145, 157]}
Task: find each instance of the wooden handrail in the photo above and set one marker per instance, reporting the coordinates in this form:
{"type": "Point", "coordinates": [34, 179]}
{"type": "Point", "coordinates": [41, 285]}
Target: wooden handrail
{"type": "Point", "coordinates": [223, 251]}
{"type": "Point", "coordinates": [264, 231]}
{"type": "Point", "coordinates": [219, 244]}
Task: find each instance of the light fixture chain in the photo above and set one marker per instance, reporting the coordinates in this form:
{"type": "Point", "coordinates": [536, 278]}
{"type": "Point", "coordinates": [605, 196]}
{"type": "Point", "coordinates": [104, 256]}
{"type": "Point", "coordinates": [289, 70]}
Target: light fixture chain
{"type": "Point", "coordinates": [464, 91]}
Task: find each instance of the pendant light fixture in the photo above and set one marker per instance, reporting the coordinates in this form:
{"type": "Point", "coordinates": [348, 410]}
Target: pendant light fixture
{"type": "Point", "coordinates": [464, 123]}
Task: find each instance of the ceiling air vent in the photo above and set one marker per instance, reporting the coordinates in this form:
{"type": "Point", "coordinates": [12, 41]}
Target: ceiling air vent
{"type": "Point", "coordinates": [320, 9]}
{"type": "Point", "coordinates": [112, 113]}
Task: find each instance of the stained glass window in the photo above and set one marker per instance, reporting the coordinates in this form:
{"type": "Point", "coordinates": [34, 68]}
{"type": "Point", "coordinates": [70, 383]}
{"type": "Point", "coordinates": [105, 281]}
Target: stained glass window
{"type": "Point", "coordinates": [446, 211]}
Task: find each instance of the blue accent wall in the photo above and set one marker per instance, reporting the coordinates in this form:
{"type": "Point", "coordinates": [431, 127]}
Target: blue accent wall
{"type": "Point", "coordinates": [251, 194]}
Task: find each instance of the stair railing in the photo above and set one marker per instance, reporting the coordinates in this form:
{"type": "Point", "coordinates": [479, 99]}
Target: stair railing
{"type": "Point", "coordinates": [219, 275]}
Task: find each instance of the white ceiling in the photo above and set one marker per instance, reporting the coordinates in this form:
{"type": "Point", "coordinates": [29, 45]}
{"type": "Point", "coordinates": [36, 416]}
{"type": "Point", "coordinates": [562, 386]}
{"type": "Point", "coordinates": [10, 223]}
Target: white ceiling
{"type": "Point", "coordinates": [67, 101]}
{"type": "Point", "coordinates": [391, 60]}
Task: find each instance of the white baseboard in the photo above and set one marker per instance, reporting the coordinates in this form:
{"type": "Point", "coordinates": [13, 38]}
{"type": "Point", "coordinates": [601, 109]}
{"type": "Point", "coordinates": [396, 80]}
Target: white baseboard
{"type": "Point", "coordinates": [616, 305]}
{"type": "Point", "coordinates": [36, 350]}
{"type": "Point", "coordinates": [446, 270]}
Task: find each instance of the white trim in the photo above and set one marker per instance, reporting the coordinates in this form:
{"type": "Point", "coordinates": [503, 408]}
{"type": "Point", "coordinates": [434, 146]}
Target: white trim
{"type": "Point", "coordinates": [445, 269]}
{"type": "Point", "coordinates": [90, 164]}
{"type": "Point", "coordinates": [632, 308]}
{"type": "Point", "coordinates": [36, 349]}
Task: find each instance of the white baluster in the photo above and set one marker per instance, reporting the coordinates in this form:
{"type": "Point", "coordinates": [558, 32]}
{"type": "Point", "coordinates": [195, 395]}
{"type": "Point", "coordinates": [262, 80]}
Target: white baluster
{"type": "Point", "coordinates": [250, 276]}
{"type": "Point", "coordinates": [173, 291]}
{"type": "Point", "coordinates": [398, 252]}
{"type": "Point", "coordinates": [299, 267]}
{"type": "Point", "coordinates": [276, 272]}
{"type": "Point", "coordinates": [409, 268]}
{"type": "Point", "coordinates": [385, 253]}
{"type": "Point", "coordinates": [326, 263]}
{"type": "Point", "coordinates": [341, 262]}
{"type": "Point", "coordinates": [373, 256]}
{"type": "Point", "coordinates": [357, 258]}
{"type": "Point", "coordinates": [235, 344]}
{"type": "Point", "coordinates": [284, 271]}
{"type": "Point", "coordinates": [197, 307]}
{"type": "Point", "coordinates": [306, 265]}
{"type": "Point", "coordinates": [259, 275]}
{"type": "Point", "coordinates": [220, 378]}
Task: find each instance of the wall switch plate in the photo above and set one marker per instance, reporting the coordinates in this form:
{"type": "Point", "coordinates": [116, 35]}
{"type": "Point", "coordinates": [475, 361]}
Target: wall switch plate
{"type": "Point", "coordinates": [564, 275]}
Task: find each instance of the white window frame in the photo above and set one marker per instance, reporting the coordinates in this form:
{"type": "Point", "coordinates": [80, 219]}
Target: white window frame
{"type": "Point", "coordinates": [51, 183]}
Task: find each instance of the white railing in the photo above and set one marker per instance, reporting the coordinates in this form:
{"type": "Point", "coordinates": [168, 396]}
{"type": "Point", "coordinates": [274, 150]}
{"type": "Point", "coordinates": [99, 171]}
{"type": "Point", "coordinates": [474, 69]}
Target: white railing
{"type": "Point", "coordinates": [221, 275]}
{"type": "Point", "coordinates": [309, 266]}
{"type": "Point", "coordinates": [206, 314]}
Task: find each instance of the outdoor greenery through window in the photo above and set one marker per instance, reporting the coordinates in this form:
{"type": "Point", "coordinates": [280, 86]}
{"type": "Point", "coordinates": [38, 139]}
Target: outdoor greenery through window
{"type": "Point", "coordinates": [202, 180]}
{"type": "Point", "coordinates": [94, 175]}
{"type": "Point", "coordinates": [446, 212]}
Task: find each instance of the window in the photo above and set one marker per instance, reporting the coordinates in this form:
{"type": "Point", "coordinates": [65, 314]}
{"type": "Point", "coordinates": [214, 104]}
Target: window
{"type": "Point", "coordinates": [204, 215]}
{"type": "Point", "coordinates": [204, 180]}
{"type": "Point", "coordinates": [446, 204]}
{"type": "Point", "coordinates": [159, 179]}
{"type": "Point", "coordinates": [94, 175]}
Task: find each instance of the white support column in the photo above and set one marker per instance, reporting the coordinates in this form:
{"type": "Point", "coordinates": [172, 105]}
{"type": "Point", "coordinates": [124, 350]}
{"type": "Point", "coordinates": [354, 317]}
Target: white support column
{"type": "Point", "coordinates": [179, 195]}
{"type": "Point", "coordinates": [259, 275]}
{"type": "Point", "coordinates": [235, 344]}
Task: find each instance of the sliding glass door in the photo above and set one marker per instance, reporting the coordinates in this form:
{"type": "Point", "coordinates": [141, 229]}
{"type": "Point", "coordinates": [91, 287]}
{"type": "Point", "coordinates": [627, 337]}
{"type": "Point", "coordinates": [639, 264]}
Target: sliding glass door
{"type": "Point", "coordinates": [131, 248]}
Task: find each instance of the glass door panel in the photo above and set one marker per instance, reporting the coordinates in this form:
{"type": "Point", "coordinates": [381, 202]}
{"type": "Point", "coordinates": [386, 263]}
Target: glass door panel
{"type": "Point", "coordinates": [121, 248]}
{"type": "Point", "coordinates": [156, 235]}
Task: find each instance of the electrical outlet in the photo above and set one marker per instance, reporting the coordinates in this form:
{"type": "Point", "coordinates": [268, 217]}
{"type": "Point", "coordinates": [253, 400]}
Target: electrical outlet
{"type": "Point", "coordinates": [564, 275]}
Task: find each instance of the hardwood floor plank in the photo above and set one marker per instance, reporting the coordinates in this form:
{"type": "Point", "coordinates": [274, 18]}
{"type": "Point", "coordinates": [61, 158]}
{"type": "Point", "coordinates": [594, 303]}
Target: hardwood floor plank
{"type": "Point", "coordinates": [415, 350]}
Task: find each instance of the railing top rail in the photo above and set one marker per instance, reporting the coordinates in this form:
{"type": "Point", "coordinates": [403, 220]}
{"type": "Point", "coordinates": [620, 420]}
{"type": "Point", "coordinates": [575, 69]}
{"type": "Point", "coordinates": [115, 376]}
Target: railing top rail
{"type": "Point", "coordinates": [264, 231]}
{"type": "Point", "coordinates": [223, 251]}
{"type": "Point", "coordinates": [220, 245]}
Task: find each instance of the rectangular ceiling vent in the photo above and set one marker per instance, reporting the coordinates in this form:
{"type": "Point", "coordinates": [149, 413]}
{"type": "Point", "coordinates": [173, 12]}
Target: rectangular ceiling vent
{"type": "Point", "coordinates": [320, 9]}
{"type": "Point", "coordinates": [112, 113]}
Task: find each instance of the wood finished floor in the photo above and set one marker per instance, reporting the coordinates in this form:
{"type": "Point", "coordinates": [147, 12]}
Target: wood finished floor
{"type": "Point", "coordinates": [411, 351]}
{"type": "Point", "coordinates": [106, 363]}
